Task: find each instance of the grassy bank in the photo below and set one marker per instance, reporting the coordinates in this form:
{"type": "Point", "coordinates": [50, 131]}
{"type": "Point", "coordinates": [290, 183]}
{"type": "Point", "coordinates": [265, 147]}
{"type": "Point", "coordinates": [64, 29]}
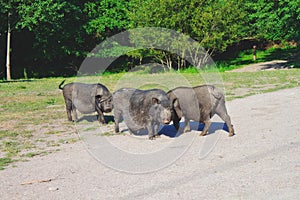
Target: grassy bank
{"type": "Point", "coordinates": [240, 59]}
{"type": "Point", "coordinates": [33, 119]}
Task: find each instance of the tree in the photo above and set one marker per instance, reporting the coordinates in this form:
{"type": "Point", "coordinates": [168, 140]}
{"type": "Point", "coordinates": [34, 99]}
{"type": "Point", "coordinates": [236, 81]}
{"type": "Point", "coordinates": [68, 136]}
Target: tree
{"type": "Point", "coordinates": [25, 14]}
{"type": "Point", "coordinates": [214, 24]}
{"type": "Point", "coordinates": [8, 13]}
{"type": "Point", "coordinates": [57, 27]}
{"type": "Point", "coordinates": [106, 18]}
{"type": "Point", "coordinates": [274, 20]}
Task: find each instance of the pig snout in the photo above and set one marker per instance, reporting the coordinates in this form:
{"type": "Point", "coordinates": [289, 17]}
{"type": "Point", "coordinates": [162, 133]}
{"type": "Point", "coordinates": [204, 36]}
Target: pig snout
{"type": "Point", "coordinates": [167, 121]}
{"type": "Point", "coordinates": [167, 116]}
{"type": "Point", "coordinates": [106, 105]}
{"type": "Point", "coordinates": [107, 110]}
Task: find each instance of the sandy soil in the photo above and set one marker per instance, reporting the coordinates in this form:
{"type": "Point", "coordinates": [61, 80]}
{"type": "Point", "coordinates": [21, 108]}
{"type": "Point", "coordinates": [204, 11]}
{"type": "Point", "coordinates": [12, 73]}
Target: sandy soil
{"type": "Point", "coordinates": [260, 162]}
{"type": "Point", "coordinates": [270, 65]}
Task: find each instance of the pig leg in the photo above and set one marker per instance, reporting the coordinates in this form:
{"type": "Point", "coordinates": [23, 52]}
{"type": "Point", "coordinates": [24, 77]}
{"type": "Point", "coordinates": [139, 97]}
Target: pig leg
{"type": "Point", "coordinates": [222, 112]}
{"type": "Point", "coordinates": [187, 127]}
{"type": "Point", "coordinates": [100, 116]}
{"type": "Point", "coordinates": [150, 131]}
{"type": "Point", "coordinates": [176, 122]}
{"type": "Point", "coordinates": [227, 120]}
{"type": "Point", "coordinates": [74, 114]}
{"type": "Point", "coordinates": [206, 127]}
{"type": "Point", "coordinates": [117, 121]}
{"type": "Point", "coordinates": [156, 125]}
{"type": "Point", "coordinates": [207, 123]}
{"type": "Point", "coordinates": [69, 109]}
{"type": "Point", "coordinates": [69, 114]}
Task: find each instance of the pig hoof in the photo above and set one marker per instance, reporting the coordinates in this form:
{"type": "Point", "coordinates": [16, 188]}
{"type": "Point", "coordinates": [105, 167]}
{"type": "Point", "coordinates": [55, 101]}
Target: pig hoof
{"type": "Point", "coordinates": [187, 130]}
{"type": "Point", "coordinates": [151, 137]}
{"type": "Point", "coordinates": [203, 133]}
{"type": "Point", "coordinates": [102, 122]}
{"type": "Point", "coordinates": [231, 134]}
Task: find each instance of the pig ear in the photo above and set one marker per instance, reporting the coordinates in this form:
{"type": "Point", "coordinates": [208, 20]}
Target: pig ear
{"type": "Point", "coordinates": [177, 108]}
{"type": "Point", "coordinates": [155, 101]}
{"type": "Point", "coordinates": [99, 91]}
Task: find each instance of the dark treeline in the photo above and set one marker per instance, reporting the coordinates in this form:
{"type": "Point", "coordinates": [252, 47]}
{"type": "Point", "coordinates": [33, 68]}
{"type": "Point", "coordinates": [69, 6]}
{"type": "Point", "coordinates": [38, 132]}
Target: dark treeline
{"type": "Point", "coordinates": [52, 37]}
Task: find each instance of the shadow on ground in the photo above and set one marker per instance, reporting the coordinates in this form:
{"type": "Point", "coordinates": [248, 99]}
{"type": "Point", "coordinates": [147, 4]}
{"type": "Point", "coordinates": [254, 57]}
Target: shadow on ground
{"type": "Point", "coordinates": [170, 130]}
{"type": "Point", "coordinates": [167, 130]}
{"type": "Point", "coordinates": [93, 118]}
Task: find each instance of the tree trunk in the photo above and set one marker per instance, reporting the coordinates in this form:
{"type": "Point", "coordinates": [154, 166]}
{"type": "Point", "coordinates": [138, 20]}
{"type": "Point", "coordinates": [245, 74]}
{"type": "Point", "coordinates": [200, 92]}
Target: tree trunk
{"type": "Point", "coordinates": [8, 75]}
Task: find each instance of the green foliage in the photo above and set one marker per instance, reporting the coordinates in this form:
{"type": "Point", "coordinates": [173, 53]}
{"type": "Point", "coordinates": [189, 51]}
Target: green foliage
{"type": "Point", "coordinates": [214, 24]}
{"type": "Point", "coordinates": [56, 34]}
{"type": "Point", "coordinates": [274, 20]}
{"type": "Point", "coordinates": [37, 12]}
{"type": "Point", "coordinates": [106, 18]}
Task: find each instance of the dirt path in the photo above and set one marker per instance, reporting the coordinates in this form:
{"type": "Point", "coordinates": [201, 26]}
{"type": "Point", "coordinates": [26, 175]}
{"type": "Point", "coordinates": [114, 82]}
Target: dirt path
{"type": "Point", "coordinates": [271, 65]}
{"type": "Point", "coordinates": [261, 162]}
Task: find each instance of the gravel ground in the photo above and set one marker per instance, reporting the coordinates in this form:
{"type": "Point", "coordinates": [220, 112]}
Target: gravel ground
{"type": "Point", "coordinates": [260, 162]}
{"type": "Point", "coordinates": [270, 65]}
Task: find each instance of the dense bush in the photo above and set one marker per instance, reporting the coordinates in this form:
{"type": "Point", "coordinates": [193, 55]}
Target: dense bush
{"type": "Point", "coordinates": [52, 37]}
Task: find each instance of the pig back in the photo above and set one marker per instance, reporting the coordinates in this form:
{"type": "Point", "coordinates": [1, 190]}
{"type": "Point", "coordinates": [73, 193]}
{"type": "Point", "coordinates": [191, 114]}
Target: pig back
{"type": "Point", "coordinates": [83, 97]}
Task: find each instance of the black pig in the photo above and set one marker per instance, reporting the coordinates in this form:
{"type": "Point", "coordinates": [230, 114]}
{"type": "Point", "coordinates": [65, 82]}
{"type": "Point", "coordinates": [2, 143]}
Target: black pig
{"type": "Point", "coordinates": [199, 103]}
{"type": "Point", "coordinates": [86, 98]}
{"type": "Point", "coordinates": [141, 109]}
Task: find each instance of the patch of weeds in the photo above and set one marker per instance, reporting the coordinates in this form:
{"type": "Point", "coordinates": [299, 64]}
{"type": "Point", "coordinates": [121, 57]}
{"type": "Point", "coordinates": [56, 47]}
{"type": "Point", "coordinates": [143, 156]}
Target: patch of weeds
{"type": "Point", "coordinates": [52, 132]}
{"type": "Point", "coordinates": [62, 141]}
{"type": "Point", "coordinates": [52, 143]}
{"type": "Point", "coordinates": [111, 122]}
{"type": "Point", "coordinates": [73, 140]}
{"type": "Point", "coordinates": [40, 94]}
{"type": "Point", "coordinates": [12, 148]}
{"type": "Point", "coordinates": [27, 134]}
{"type": "Point", "coordinates": [92, 128]}
{"type": "Point", "coordinates": [190, 70]}
{"type": "Point", "coordinates": [51, 101]}
{"type": "Point", "coordinates": [28, 145]}
{"type": "Point", "coordinates": [106, 134]}
{"type": "Point", "coordinates": [33, 154]}
{"type": "Point", "coordinates": [4, 162]}
{"type": "Point", "coordinates": [40, 140]}
{"type": "Point", "coordinates": [67, 141]}
{"type": "Point", "coordinates": [22, 87]}
{"type": "Point", "coordinates": [7, 133]}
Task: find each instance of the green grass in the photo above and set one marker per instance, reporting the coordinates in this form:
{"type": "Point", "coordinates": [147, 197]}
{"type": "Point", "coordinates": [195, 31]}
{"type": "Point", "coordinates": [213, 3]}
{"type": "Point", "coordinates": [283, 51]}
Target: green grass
{"type": "Point", "coordinates": [32, 154]}
{"type": "Point", "coordinates": [289, 53]}
{"type": "Point", "coordinates": [4, 162]}
{"type": "Point", "coordinates": [12, 148]}
{"type": "Point", "coordinates": [33, 115]}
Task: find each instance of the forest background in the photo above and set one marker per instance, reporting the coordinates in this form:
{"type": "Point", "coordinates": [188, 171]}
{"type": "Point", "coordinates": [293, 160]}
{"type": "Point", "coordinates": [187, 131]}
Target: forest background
{"type": "Point", "coordinates": [47, 38]}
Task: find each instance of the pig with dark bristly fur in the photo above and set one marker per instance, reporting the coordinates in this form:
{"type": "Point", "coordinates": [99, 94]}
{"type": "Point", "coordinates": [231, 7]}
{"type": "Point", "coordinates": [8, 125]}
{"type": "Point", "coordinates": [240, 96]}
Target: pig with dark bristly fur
{"type": "Point", "coordinates": [141, 109]}
{"type": "Point", "coordinates": [199, 104]}
{"type": "Point", "coordinates": [86, 98]}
